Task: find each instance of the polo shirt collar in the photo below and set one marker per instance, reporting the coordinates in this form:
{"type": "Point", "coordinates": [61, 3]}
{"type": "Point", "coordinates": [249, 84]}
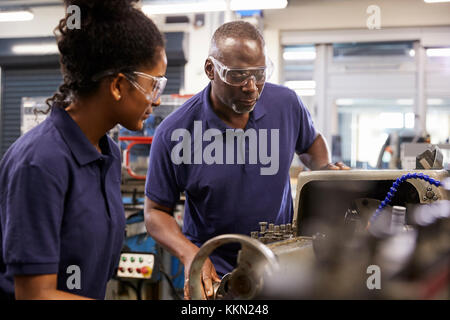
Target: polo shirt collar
{"type": "Point", "coordinates": [213, 119]}
{"type": "Point", "coordinates": [80, 146]}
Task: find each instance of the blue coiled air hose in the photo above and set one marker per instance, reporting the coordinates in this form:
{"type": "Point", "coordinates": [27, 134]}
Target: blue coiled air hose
{"type": "Point", "coordinates": [394, 189]}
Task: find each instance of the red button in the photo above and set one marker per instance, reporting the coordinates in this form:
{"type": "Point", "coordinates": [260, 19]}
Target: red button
{"type": "Point", "coordinates": [121, 269]}
{"type": "Point", "coordinates": [130, 270]}
{"type": "Point", "coordinates": [145, 270]}
{"type": "Point", "coordinates": [138, 270]}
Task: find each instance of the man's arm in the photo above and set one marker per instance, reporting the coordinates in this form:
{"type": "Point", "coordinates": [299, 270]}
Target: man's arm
{"type": "Point", "coordinates": [163, 228]}
{"type": "Point", "coordinates": [41, 287]}
{"type": "Point", "coordinates": [317, 157]}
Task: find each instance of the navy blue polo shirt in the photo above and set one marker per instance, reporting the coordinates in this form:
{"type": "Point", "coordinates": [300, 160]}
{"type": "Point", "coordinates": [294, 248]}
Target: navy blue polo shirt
{"type": "Point", "coordinates": [231, 182]}
{"type": "Point", "coordinates": [61, 208]}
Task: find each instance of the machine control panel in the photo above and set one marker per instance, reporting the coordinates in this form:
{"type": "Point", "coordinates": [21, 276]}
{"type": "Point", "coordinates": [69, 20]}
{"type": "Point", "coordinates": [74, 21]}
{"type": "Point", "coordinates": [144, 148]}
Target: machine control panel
{"type": "Point", "coordinates": [136, 265]}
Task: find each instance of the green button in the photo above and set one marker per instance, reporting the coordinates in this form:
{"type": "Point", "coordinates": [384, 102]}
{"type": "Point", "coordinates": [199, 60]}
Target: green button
{"type": "Point", "coordinates": [132, 259]}
{"type": "Point", "coordinates": [124, 259]}
{"type": "Point", "coordinates": [141, 259]}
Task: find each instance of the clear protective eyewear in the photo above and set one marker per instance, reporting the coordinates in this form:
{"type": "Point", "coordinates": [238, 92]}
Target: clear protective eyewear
{"type": "Point", "coordinates": [240, 76]}
{"type": "Point", "coordinates": [157, 87]}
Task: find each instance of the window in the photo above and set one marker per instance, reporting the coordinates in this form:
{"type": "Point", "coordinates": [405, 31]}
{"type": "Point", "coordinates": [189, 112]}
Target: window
{"type": "Point", "coordinates": [298, 70]}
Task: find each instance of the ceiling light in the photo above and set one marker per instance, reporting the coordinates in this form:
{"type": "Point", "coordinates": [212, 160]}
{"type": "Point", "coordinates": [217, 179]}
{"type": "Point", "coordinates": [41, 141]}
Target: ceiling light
{"type": "Point", "coordinates": [301, 84]}
{"type": "Point", "coordinates": [436, 1]}
{"type": "Point", "coordinates": [50, 48]}
{"type": "Point", "coordinates": [404, 102]}
{"type": "Point", "coordinates": [299, 55]}
{"type": "Point", "coordinates": [435, 102]}
{"type": "Point", "coordinates": [438, 52]}
{"type": "Point", "coordinates": [13, 16]}
{"type": "Point", "coordinates": [209, 6]}
{"type": "Point", "coordinates": [237, 5]}
{"type": "Point", "coordinates": [345, 102]}
{"type": "Point", "coordinates": [305, 92]}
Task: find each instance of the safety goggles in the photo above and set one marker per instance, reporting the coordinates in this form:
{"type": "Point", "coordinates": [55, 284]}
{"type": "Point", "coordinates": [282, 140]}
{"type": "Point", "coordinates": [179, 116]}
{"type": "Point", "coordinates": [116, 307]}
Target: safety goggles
{"type": "Point", "coordinates": [154, 86]}
{"type": "Point", "coordinates": [240, 76]}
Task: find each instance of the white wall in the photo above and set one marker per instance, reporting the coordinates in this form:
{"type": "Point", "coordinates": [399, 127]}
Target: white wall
{"type": "Point", "coordinates": [348, 14]}
{"type": "Point", "coordinates": [316, 15]}
{"type": "Point", "coordinates": [44, 22]}
{"type": "Point", "coordinates": [301, 15]}
{"type": "Point", "coordinates": [197, 47]}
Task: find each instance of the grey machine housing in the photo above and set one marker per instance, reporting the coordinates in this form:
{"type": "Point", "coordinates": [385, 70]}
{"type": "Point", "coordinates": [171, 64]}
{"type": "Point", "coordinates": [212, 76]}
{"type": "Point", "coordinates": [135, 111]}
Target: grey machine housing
{"type": "Point", "coordinates": [332, 205]}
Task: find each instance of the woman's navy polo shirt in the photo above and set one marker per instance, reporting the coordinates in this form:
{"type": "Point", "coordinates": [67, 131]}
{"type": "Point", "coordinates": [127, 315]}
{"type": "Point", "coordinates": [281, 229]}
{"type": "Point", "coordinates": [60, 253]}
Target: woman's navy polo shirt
{"type": "Point", "coordinates": [61, 206]}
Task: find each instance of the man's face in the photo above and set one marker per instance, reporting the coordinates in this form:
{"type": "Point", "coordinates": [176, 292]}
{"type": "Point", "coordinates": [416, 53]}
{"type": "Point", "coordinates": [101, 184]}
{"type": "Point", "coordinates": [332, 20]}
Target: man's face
{"type": "Point", "coordinates": [239, 53]}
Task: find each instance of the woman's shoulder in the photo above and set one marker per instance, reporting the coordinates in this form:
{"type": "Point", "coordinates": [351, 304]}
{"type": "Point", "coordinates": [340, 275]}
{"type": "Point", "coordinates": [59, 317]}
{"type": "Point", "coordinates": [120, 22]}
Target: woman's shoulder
{"type": "Point", "coordinates": [41, 147]}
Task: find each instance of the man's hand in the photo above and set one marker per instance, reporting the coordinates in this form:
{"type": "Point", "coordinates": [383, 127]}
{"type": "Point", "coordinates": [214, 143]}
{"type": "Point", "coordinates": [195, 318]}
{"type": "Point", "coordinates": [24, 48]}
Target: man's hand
{"type": "Point", "coordinates": [209, 276]}
{"type": "Point", "coordinates": [335, 166]}
{"type": "Point", "coordinates": [317, 157]}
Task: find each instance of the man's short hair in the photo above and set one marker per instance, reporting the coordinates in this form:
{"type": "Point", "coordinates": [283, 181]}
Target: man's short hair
{"type": "Point", "coordinates": [235, 29]}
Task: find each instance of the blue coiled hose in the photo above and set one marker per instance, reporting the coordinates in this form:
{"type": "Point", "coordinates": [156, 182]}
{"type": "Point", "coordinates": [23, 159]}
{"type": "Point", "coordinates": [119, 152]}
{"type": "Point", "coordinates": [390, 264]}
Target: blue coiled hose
{"type": "Point", "coordinates": [394, 189]}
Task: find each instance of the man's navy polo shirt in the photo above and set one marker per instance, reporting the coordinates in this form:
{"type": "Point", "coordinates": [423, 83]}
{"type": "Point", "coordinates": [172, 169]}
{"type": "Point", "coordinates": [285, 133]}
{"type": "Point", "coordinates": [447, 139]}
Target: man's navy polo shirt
{"type": "Point", "coordinates": [233, 197]}
{"type": "Point", "coordinates": [61, 206]}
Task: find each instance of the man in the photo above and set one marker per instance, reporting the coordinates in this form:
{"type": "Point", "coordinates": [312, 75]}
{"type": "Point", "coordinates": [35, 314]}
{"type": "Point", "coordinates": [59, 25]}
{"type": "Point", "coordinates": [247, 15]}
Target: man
{"type": "Point", "coordinates": [229, 186]}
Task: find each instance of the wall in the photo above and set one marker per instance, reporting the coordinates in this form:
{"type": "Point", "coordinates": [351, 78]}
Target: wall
{"type": "Point", "coordinates": [197, 47]}
{"type": "Point", "coordinates": [348, 14]}
{"type": "Point", "coordinates": [44, 22]}
{"type": "Point", "coordinates": [316, 15]}
{"type": "Point", "coordinates": [299, 15]}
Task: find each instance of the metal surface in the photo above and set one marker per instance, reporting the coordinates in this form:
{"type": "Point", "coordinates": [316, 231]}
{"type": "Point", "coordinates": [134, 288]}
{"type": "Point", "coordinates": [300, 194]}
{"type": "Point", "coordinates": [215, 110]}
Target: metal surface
{"type": "Point", "coordinates": [338, 264]}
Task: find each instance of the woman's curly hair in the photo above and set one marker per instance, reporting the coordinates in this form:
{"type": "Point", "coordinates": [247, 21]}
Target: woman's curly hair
{"type": "Point", "coordinates": [114, 36]}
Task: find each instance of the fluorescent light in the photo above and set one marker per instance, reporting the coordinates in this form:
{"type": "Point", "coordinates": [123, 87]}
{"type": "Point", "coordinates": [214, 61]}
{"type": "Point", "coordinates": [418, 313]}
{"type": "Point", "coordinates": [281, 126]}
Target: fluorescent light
{"type": "Point", "coordinates": [436, 1]}
{"type": "Point", "coordinates": [435, 102]}
{"type": "Point", "coordinates": [12, 16]}
{"type": "Point", "coordinates": [345, 102]}
{"type": "Point", "coordinates": [301, 84]}
{"type": "Point", "coordinates": [438, 52]}
{"type": "Point", "coordinates": [35, 49]}
{"type": "Point", "coordinates": [209, 6]}
{"type": "Point", "coordinates": [257, 4]}
{"type": "Point", "coordinates": [299, 55]}
{"type": "Point", "coordinates": [305, 92]}
{"type": "Point", "coordinates": [184, 7]}
{"type": "Point", "coordinates": [404, 102]}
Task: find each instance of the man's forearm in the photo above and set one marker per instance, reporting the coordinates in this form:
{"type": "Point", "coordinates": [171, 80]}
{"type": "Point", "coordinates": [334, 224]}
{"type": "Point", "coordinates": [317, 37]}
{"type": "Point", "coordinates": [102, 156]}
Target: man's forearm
{"type": "Point", "coordinates": [317, 156]}
{"type": "Point", "coordinates": [164, 229]}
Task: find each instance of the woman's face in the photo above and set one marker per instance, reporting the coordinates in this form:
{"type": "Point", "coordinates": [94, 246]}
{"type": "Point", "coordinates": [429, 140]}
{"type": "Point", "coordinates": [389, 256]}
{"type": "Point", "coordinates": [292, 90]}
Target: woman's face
{"type": "Point", "coordinates": [136, 108]}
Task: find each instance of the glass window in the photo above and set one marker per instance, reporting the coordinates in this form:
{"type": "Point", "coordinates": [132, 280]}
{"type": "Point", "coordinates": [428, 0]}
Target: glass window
{"type": "Point", "coordinates": [373, 49]}
{"type": "Point", "coordinates": [364, 126]}
{"type": "Point", "coordinates": [438, 120]}
{"type": "Point", "coordinates": [298, 71]}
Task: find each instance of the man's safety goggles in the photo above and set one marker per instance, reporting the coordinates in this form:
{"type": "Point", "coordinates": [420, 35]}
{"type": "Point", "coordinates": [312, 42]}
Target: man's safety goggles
{"type": "Point", "coordinates": [240, 76]}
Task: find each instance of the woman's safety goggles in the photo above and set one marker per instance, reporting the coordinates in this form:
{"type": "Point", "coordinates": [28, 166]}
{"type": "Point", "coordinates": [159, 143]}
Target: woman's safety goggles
{"type": "Point", "coordinates": [152, 87]}
{"type": "Point", "coordinates": [240, 76]}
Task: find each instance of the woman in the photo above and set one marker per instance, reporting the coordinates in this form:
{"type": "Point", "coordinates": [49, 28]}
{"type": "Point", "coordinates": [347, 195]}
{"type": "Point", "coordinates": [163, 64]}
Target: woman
{"type": "Point", "coordinates": [62, 218]}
